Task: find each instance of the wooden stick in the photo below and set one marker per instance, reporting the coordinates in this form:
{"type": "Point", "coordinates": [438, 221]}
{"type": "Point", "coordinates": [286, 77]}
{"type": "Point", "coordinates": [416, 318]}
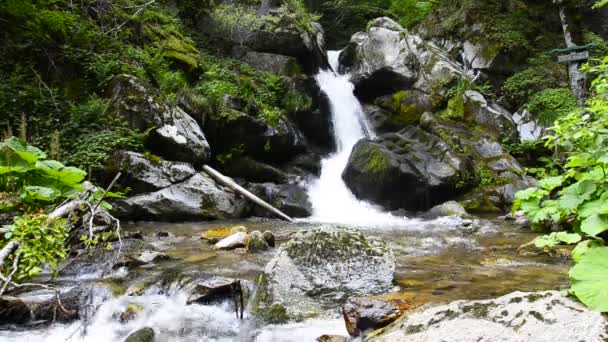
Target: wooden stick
{"type": "Point", "coordinates": [239, 189]}
{"type": "Point", "coordinates": [7, 250]}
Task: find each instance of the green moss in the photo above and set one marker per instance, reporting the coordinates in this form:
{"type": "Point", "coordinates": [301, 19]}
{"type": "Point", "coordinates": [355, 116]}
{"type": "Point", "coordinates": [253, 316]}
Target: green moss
{"type": "Point", "coordinates": [276, 314]}
{"type": "Point", "coordinates": [402, 113]}
{"type": "Point", "coordinates": [377, 162]}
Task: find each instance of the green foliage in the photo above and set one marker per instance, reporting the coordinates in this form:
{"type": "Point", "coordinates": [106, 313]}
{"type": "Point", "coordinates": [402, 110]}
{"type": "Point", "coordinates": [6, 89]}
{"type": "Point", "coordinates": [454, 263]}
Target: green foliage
{"type": "Point", "coordinates": [411, 12]}
{"type": "Point", "coordinates": [577, 199]}
{"type": "Point", "coordinates": [41, 244]}
{"type": "Point", "coordinates": [556, 238]}
{"type": "Point", "coordinates": [551, 104]}
{"type": "Point", "coordinates": [238, 23]}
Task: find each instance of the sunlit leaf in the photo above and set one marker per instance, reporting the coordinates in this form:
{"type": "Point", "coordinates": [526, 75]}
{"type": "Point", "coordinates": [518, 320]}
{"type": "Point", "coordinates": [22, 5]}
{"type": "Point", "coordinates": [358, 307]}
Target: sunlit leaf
{"type": "Point", "coordinates": [594, 224]}
{"type": "Point", "coordinates": [589, 278]}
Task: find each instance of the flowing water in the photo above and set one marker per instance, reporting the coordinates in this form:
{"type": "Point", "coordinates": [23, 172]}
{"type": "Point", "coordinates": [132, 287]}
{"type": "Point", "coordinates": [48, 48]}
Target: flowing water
{"type": "Point", "coordinates": [331, 199]}
{"type": "Point", "coordinates": [437, 261]}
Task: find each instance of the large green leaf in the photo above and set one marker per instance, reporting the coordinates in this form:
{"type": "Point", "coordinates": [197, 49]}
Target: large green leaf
{"type": "Point", "coordinates": [25, 151]}
{"type": "Point", "coordinates": [551, 183]}
{"type": "Point", "coordinates": [556, 238]}
{"type": "Point", "coordinates": [39, 193]}
{"type": "Point", "coordinates": [63, 174]}
{"type": "Point", "coordinates": [594, 224]}
{"type": "Point", "coordinates": [589, 279]}
{"type": "Point", "coordinates": [584, 247]}
{"type": "Point", "coordinates": [598, 206]}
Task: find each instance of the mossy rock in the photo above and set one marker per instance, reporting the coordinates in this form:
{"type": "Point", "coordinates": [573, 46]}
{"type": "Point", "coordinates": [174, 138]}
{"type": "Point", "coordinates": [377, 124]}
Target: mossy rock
{"type": "Point", "coordinates": [216, 234]}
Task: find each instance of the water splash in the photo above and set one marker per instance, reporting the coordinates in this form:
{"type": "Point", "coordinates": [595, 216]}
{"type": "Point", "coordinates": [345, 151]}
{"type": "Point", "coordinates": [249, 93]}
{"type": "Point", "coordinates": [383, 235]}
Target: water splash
{"type": "Point", "coordinates": [331, 199]}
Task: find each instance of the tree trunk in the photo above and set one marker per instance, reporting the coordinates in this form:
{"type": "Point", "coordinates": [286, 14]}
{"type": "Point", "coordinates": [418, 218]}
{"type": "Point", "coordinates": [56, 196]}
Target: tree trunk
{"type": "Point", "coordinates": [577, 77]}
{"type": "Point", "coordinates": [239, 189]}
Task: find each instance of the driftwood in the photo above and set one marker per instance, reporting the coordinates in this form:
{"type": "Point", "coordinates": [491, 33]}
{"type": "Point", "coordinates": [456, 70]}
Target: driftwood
{"type": "Point", "coordinates": [7, 250]}
{"type": "Point", "coordinates": [242, 191]}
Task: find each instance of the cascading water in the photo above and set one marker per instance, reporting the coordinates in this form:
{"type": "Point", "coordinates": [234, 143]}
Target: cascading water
{"type": "Point", "coordinates": [331, 199]}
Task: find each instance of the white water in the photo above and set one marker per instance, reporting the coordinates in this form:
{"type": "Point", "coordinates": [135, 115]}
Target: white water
{"type": "Point", "coordinates": [331, 199]}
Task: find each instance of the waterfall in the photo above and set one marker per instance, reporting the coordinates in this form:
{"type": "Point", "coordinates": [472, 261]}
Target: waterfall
{"type": "Point", "coordinates": [331, 199]}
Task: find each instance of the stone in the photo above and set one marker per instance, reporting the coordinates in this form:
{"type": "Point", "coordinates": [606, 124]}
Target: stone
{"type": "Point", "coordinates": [291, 199]}
{"type": "Point", "coordinates": [332, 338]}
{"type": "Point", "coordinates": [320, 269]}
{"type": "Point", "coordinates": [493, 118]}
{"type": "Point", "coordinates": [269, 62]}
{"type": "Point", "coordinates": [213, 290]}
{"type": "Point", "coordinates": [142, 335]}
{"type": "Point", "coordinates": [175, 135]}
{"type": "Point", "coordinates": [256, 242]}
{"type": "Point", "coordinates": [450, 208]}
{"type": "Point", "coordinates": [216, 234]}
{"type": "Point", "coordinates": [430, 170]}
{"type": "Point", "coordinates": [527, 127]}
{"type": "Point", "coordinates": [142, 174]}
{"type": "Point", "coordinates": [270, 238]}
{"type": "Point", "coordinates": [197, 198]}
{"type": "Point", "coordinates": [253, 170]}
{"type": "Point", "coordinates": [233, 241]}
{"type": "Point", "coordinates": [516, 317]}
{"type": "Point", "coordinates": [13, 311]}
{"type": "Point", "coordinates": [130, 312]}
{"type": "Point", "coordinates": [140, 259]}
{"type": "Point", "coordinates": [365, 314]}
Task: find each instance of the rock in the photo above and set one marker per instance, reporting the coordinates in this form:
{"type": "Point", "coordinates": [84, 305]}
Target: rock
{"type": "Point", "coordinates": [216, 234]}
{"type": "Point", "coordinates": [527, 127]}
{"type": "Point", "coordinates": [253, 171]}
{"type": "Point", "coordinates": [411, 159]}
{"type": "Point", "coordinates": [540, 316]}
{"type": "Point", "coordinates": [450, 208]}
{"type": "Point", "coordinates": [380, 119]}
{"type": "Point", "coordinates": [130, 312]}
{"type": "Point", "coordinates": [197, 198]}
{"type": "Point", "coordinates": [291, 199]}
{"type": "Point", "coordinates": [365, 314]}
{"type": "Point", "coordinates": [253, 137]}
{"type": "Point", "coordinates": [332, 338]}
{"type": "Point", "coordinates": [268, 62]}
{"type": "Point", "coordinates": [493, 118]}
{"type": "Point", "coordinates": [213, 290]}
{"type": "Point", "coordinates": [141, 335]}
{"type": "Point", "coordinates": [270, 238]}
{"type": "Point", "coordinates": [13, 311]}
{"type": "Point", "coordinates": [140, 259]}
{"type": "Point", "coordinates": [320, 269]}
{"type": "Point", "coordinates": [142, 173]}
{"type": "Point", "coordinates": [257, 242]}
{"type": "Point", "coordinates": [305, 165]}
{"type": "Point", "coordinates": [176, 135]}
{"type": "Point", "coordinates": [233, 241]}
{"type": "Point", "coordinates": [406, 106]}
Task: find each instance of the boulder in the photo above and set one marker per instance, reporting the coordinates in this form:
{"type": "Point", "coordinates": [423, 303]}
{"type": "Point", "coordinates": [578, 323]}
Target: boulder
{"type": "Point", "coordinates": [250, 136]}
{"type": "Point", "coordinates": [197, 198]}
{"type": "Point", "coordinates": [253, 170]}
{"type": "Point", "coordinates": [449, 208]}
{"type": "Point", "coordinates": [234, 241]}
{"type": "Point", "coordinates": [269, 62]}
{"type": "Point", "coordinates": [430, 170]}
{"type": "Point", "coordinates": [291, 199]}
{"type": "Point", "coordinates": [142, 173]}
{"type": "Point", "coordinates": [257, 242]}
{"type": "Point", "coordinates": [13, 311]}
{"type": "Point", "coordinates": [142, 335]}
{"type": "Point", "coordinates": [216, 234]}
{"type": "Point", "coordinates": [541, 316]}
{"type": "Point", "coordinates": [332, 338]}
{"type": "Point", "coordinates": [270, 238]}
{"type": "Point", "coordinates": [213, 290]}
{"type": "Point", "coordinates": [319, 269]}
{"type": "Point", "coordinates": [140, 259]}
{"type": "Point", "coordinates": [175, 135]}
{"type": "Point", "coordinates": [491, 117]}
{"type": "Point", "coordinates": [365, 314]}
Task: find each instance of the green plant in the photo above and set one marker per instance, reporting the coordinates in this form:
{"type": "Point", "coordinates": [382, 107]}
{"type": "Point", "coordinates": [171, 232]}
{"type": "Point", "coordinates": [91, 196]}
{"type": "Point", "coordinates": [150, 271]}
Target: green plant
{"type": "Point", "coordinates": [41, 244]}
{"type": "Point", "coordinates": [577, 199]}
{"type": "Point", "coordinates": [551, 104]}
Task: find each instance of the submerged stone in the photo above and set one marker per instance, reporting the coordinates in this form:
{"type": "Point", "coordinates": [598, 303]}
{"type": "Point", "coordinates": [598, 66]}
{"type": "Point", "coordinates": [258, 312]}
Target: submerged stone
{"type": "Point", "coordinates": [142, 335]}
{"type": "Point", "coordinates": [364, 314]}
{"type": "Point", "coordinates": [216, 234]}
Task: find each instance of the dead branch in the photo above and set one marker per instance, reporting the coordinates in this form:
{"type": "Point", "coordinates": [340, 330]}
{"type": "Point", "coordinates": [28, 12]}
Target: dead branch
{"type": "Point", "coordinates": [139, 10]}
{"type": "Point", "coordinates": [7, 250]}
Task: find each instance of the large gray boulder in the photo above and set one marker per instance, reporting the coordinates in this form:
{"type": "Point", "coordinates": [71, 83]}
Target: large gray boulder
{"type": "Point", "coordinates": [516, 317]}
{"type": "Point", "coordinates": [175, 135]}
{"type": "Point", "coordinates": [491, 117]}
{"type": "Point", "coordinates": [197, 198]}
{"type": "Point", "coordinates": [291, 199]}
{"type": "Point", "coordinates": [411, 170]}
{"type": "Point", "coordinates": [144, 173]}
{"type": "Point", "coordinates": [321, 268]}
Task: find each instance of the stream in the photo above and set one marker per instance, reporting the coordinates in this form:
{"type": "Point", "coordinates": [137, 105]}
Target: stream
{"type": "Point", "coordinates": [437, 261]}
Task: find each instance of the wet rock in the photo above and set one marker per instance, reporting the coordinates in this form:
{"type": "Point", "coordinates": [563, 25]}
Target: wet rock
{"type": "Point", "coordinates": [411, 159]}
{"type": "Point", "coordinates": [216, 234]}
{"type": "Point", "coordinates": [140, 259]}
{"type": "Point", "coordinates": [163, 234]}
{"type": "Point", "coordinates": [233, 241]}
{"type": "Point", "coordinates": [253, 171]}
{"type": "Point", "coordinates": [540, 316]}
{"type": "Point", "coordinates": [130, 312]}
{"type": "Point", "coordinates": [269, 62]}
{"type": "Point", "coordinates": [142, 173]}
{"type": "Point", "coordinates": [197, 198]}
{"type": "Point", "coordinates": [269, 237]}
{"type": "Point", "coordinates": [256, 242]}
{"type": "Point", "coordinates": [365, 314]}
{"type": "Point", "coordinates": [450, 208]}
{"type": "Point", "coordinates": [212, 290]}
{"type": "Point", "coordinates": [141, 335]}
{"type": "Point", "coordinates": [13, 311]}
{"type": "Point", "coordinates": [175, 134]}
{"type": "Point", "coordinates": [291, 199]}
{"type": "Point", "coordinates": [320, 269]}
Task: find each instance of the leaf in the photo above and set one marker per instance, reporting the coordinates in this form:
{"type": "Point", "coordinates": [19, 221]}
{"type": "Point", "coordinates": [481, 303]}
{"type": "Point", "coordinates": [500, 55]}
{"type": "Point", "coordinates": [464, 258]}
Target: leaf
{"type": "Point", "coordinates": [530, 193]}
{"type": "Point", "coordinates": [598, 206]}
{"type": "Point", "coordinates": [61, 173]}
{"type": "Point", "coordinates": [39, 193]}
{"type": "Point", "coordinates": [589, 278]}
{"type": "Point", "coordinates": [556, 238]}
{"type": "Point", "coordinates": [594, 224]}
{"type": "Point", "coordinates": [584, 247]}
{"type": "Point", "coordinates": [551, 183]}
{"type": "Point", "coordinates": [25, 151]}
{"type": "Point", "coordinates": [568, 238]}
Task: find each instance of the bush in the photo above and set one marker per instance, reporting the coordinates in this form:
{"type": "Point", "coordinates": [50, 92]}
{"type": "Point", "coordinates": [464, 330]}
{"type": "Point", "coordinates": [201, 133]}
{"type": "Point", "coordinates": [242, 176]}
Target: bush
{"type": "Point", "coordinates": [551, 104]}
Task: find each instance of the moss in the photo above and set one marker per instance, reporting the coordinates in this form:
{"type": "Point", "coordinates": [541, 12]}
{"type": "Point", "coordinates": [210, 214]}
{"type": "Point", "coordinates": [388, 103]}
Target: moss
{"type": "Point", "coordinates": [403, 113]}
{"type": "Point", "coordinates": [455, 109]}
{"type": "Point", "coordinates": [276, 314]}
{"type": "Point", "coordinates": [152, 158]}
{"type": "Point", "coordinates": [478, 310]}
{"type": "Point", "coordinates": [376, 161]}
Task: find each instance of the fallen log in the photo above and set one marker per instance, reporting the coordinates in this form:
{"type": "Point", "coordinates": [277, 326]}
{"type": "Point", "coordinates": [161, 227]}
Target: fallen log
{"type": "Point", "coordinates": [242, 191]}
